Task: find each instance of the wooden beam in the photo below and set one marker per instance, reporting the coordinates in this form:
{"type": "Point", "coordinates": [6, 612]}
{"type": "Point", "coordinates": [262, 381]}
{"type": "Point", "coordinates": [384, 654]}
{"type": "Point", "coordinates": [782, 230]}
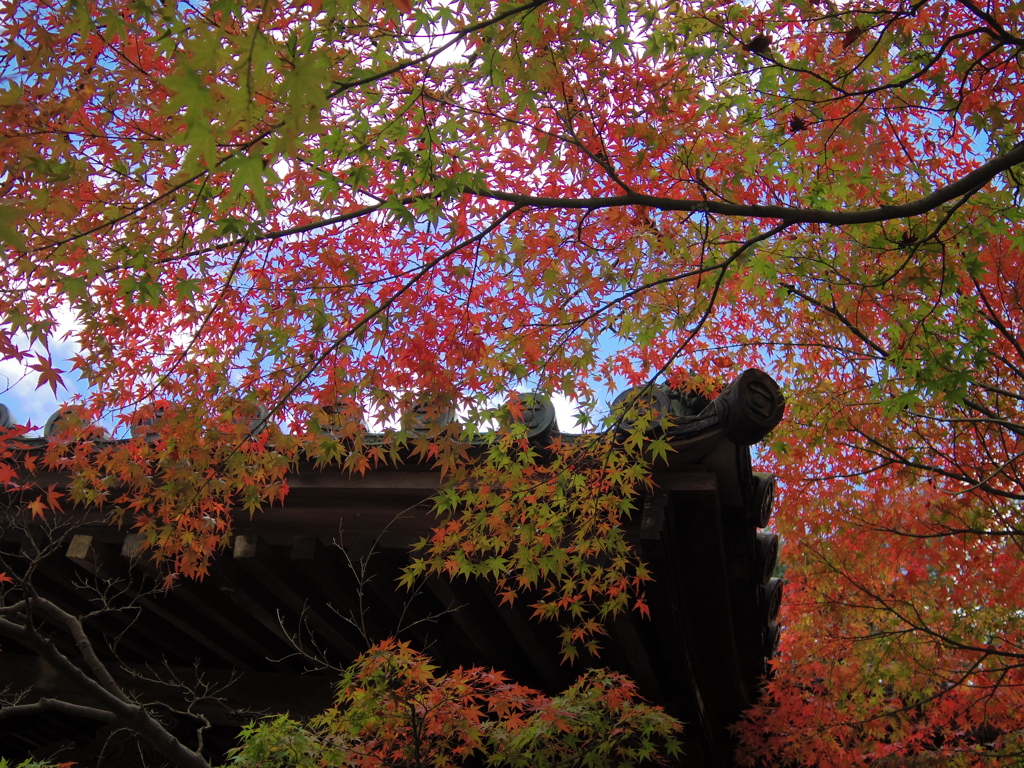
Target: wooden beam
{"type": "Point", "coordinates": [625, 631]}
{"type": "Point", "coordinates": [525, 634]}
{"type": "Point", "coordinates": [260, 562]}
{"type": "Point", "coordinates": [465, 619]}
{"type": "Point", "coordinates": [326, 568]}
{"type": "Point", "coordinates": [97, 559]}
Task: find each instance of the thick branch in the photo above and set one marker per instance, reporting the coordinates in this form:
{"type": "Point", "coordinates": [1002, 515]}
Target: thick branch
{"type": "Point", "coordinates": [74, 628]}
{"type": "Point", "coordinates": [967, 185]}
{"type": "Point", "coordinates": [56, 705]}
{"type": "Point", "coordinates": [129, 714]}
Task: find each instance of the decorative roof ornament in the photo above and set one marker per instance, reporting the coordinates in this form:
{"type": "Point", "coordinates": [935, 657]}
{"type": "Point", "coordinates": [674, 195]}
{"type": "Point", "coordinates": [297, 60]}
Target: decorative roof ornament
{"type": "Point", "coordinates": [69, 422]}
{"type": "Point", "coordinates": [538, 415]}
{"type": "Point", "coordinates": [6, 418]}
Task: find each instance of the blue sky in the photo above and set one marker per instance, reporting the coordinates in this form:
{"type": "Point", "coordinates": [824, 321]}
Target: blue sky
{"type": "Point", "coordinates": [19, 390]}
{"type": "Point", "coordinates": [31, 404]}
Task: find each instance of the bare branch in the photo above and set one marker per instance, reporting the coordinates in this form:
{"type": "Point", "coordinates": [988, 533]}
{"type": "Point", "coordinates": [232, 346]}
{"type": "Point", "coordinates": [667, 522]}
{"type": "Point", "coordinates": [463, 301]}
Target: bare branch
{"type": "Point", "coordinates": [121, 710]}
{"type": "Point", "coordinates": [56, 705]}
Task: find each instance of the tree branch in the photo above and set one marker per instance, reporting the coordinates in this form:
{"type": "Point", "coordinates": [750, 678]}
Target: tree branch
{"type": "Point", "coordinates": [968, 184]}
{"type": "Point", "coordinates": [74, 628]}
{"type": "Point", "coordinates": [129, 714]}
{"type": "Point", "coordinates": [56, 705]}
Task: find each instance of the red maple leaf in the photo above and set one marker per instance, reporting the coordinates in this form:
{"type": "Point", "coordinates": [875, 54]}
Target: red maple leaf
{"type": "Point", "coordinates": [48, 373]}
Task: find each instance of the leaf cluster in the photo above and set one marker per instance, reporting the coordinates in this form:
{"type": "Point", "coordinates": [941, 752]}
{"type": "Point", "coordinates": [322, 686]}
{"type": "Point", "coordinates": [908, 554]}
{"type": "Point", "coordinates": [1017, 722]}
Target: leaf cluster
{"type": "Point", "coordinates": [394, 709]}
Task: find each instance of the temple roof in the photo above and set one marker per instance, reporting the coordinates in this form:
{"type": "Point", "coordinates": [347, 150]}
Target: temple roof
{"type": "Point", "coordinates": [319, 573]}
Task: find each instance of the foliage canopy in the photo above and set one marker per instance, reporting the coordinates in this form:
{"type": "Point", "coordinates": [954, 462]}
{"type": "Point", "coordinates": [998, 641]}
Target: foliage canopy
{"type": "Point", "coordinates": [352, 205]}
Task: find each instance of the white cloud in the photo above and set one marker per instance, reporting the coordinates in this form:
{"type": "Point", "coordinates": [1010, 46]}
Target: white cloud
{"type": "Point", "coordinates": [19, 391]}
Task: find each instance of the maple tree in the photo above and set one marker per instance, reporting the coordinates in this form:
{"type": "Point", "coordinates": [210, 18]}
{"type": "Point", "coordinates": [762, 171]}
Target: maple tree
{"type": "Point", "coordinates": [393, 710]}
{"type": "Point", "coordinates": [339, 208]}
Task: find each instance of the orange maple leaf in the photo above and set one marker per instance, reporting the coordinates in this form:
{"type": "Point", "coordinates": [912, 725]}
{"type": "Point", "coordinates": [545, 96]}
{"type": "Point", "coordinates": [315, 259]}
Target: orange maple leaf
{"type": "Point", "coordinates": [52, 498]}
{"type": "Point", "coordinates": [48, 373]}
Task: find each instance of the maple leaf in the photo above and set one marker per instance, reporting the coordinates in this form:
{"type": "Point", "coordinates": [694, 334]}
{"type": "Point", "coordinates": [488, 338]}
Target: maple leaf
{"type": "Point", "coordinates": [8, 473]}
{"type": "Point", "coordinates": [53, 497]}
{"type": "Point", "coordinates": [852, 36]}
{"type": "Point", "coordinates": [49, 375]}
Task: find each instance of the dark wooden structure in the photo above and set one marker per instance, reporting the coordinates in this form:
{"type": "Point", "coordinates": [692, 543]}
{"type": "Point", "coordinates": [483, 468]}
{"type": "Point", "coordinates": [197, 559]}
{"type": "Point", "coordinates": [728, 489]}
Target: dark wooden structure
{"type": "Point", "coordinates": [319, 573]}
